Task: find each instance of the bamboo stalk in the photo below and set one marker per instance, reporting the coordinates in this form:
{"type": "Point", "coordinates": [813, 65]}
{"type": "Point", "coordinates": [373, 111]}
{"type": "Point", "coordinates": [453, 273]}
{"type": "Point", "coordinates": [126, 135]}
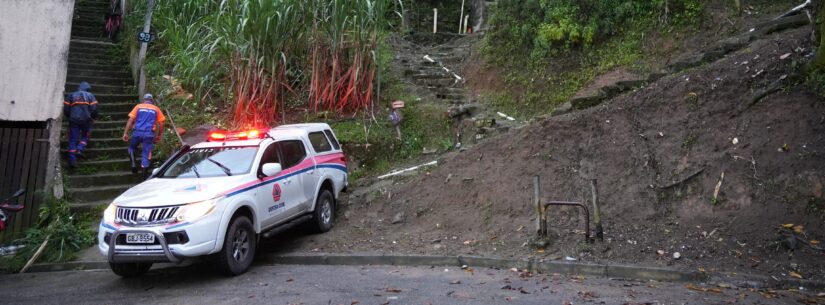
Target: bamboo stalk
{"type": "Point", "coordinates": [36, 254]}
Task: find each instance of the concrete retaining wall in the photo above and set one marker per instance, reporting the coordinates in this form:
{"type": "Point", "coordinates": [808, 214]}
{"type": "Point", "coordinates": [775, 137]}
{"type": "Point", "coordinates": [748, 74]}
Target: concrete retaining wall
{"type": "Point", "coordinates": [34, 48]}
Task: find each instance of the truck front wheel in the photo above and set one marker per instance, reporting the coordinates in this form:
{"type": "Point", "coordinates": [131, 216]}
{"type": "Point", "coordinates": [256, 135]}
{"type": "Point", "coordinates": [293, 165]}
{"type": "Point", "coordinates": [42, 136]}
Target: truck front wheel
{"type": "Point", "coordinates": [130, 269]}
{"type": "Point", "coordinates": [238, 247]}
{"type": "Point", "coordinates": [324, 212]}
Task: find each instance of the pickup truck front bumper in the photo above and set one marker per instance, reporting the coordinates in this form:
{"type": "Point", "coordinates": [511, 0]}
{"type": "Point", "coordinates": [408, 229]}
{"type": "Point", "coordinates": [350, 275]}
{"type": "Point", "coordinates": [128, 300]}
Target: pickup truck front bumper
{"type": "Point", "coordinates": [173, 243]}
{"type": "Point", "coordinates": [139, 253]}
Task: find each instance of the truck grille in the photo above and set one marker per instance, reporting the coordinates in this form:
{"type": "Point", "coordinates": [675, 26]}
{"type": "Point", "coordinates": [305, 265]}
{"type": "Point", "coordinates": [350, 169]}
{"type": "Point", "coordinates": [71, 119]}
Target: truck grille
{"type": "Point", "coordinates": [145, 216]}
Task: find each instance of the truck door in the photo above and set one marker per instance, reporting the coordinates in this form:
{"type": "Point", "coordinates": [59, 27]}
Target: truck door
{"type": "Point", "coordinates": [278, 194]}
{"type": "Point", "coordinates": [296, 164]}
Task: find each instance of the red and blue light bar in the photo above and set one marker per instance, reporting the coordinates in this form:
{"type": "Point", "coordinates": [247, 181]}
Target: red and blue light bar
{"type": "Point", "coordinates": [221, 135]}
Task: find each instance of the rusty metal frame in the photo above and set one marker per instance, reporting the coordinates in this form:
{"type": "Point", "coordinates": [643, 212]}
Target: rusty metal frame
{"type": "Point", "coordinates": [568, 203]}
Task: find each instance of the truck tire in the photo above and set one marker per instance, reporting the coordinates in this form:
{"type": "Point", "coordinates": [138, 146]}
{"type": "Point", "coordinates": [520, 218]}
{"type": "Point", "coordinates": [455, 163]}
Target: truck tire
{"type": "Point", "coordinates": [324, 212]}
{"type": "Point", "coordinates": [238, 247]}
{"type": "Point", "coordinates": [130, 269]}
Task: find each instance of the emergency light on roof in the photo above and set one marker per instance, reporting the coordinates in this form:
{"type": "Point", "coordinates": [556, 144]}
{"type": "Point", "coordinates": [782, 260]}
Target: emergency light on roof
{"type": "Point", "coordinates": [220, 135]}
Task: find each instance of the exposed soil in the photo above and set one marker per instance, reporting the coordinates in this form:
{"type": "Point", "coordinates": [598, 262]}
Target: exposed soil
{"type": "Point", "coordinates": [607, 79]}
{"type": "Point", "coordinates": [658, 154]}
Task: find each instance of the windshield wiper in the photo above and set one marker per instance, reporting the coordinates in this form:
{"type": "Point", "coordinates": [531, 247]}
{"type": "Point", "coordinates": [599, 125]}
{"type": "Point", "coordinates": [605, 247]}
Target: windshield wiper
{"type": "Point", "coordinates": [223, 167]}
{"type": "Point", "coordinates": [195, 169]}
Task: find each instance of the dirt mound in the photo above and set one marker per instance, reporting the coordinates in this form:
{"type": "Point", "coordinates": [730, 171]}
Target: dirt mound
{"type": "Point", "coordinates": [658, 154]}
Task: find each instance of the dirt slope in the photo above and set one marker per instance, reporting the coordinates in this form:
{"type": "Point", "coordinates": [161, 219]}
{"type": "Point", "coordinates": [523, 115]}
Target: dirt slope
{"type": "Point", "coordinates": [477, 202]}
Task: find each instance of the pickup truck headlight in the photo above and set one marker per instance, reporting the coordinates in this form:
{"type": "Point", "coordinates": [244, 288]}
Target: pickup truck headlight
{"type": "Point", "coordinates": [195, 211]}
{"type": "Point", "coordinates": [109, 213]}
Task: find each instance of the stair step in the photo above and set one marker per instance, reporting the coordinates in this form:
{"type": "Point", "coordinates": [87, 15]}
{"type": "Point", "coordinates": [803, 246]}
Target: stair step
{"type": "Point", "coordinates": [104, 165]}
{"type": "Point", "coordinates": [445, 82]}
{"type": "Point", "coordinates": [106, 98]}
{"type": "Point", "coordinates": [89, 207]}
{"type": "Point", "coordinates": [98, 88]}
{"type": "Point", "coordinates": [103, 61]}
{"type": "Point", "coordinates": [115, 107]}
{"type": "Point", "coordinates": [106, 133]}
{"type": "Point", "coordinates": [101, 152]}
{"type": "Point", "coordinates": [104, 178]}
{"type": "Point", "coordinates": [90, 43]}
{"type": "Point", "coordinates": [91, 49]}
{"type": "Point", "coordinates": [102, 70]}
{"type": "Point", "coordinates": [104, 124]}
{"type": "Point", "coordinates": [100, 143]}
{"type": "Point", "coordinates": [89, 22]}
{"type": "Point", "coordinates": [99, 74]}
{"type": "Point", "coordinates": [103, 80]}
{"type": "Point", "coordinates": [97, 193]}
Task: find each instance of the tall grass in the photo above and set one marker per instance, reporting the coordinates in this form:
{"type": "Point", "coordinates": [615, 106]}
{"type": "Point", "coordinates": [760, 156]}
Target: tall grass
{"type": "Point", "coordinates": [257, 53]}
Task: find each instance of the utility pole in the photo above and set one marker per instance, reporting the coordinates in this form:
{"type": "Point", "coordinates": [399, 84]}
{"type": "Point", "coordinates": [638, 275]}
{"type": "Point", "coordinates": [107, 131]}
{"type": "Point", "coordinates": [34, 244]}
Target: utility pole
{"type": "Point", "coordinates": [461, 19]}
{"type": "Point", "coordinates": [435, 20]}
{"type": "Point", "coordinates": [150, 5]}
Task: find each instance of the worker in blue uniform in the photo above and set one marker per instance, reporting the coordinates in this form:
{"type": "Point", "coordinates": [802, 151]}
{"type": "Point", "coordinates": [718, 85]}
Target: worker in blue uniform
{"type": "Point", "coordinates": [80, 108]}
{"type": "Point", "coordinates": [147, 121]}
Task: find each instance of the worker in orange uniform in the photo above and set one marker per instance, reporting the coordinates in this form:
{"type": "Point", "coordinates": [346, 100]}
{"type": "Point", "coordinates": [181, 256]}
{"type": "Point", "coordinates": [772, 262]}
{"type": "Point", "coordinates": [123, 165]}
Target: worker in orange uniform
{"type": "Point", "coordinates": [147, 120]}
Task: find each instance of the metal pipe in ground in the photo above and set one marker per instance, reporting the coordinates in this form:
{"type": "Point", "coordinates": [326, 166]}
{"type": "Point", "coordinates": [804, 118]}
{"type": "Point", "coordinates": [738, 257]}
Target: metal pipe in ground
{"type": "Point", "coordinates": [597, 217]}
{"type": "Point", "coordinates": [541, 230]}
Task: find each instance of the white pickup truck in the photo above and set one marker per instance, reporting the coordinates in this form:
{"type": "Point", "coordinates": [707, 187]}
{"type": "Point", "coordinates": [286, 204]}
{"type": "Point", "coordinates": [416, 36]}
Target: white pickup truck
{"type": "Point", "coordinates": [219, 197]}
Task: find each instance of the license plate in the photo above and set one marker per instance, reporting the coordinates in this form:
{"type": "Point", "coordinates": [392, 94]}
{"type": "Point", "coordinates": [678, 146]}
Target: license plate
{"type": "Point", "coordinates": [140, 238]}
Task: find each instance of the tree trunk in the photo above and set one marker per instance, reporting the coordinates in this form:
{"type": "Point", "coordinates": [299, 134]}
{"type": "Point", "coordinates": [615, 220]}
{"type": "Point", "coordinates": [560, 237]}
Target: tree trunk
{"type": "Point", "coordinates": [819, 13]}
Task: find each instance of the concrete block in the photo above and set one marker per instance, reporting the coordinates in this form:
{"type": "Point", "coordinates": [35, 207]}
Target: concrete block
{"type": "Point", "coordinates": [652, 273]}
{"type": "Point", "coordinates": [562, 109]}
{"type": "Point", "coordinates": [587, 101]}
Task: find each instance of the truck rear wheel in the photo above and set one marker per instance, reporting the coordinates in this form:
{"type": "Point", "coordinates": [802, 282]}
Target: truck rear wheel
{"type": "Point", "coordinates": [130, 269]}
{"type": "Point", "coordinates": [238, 247]}
{"type": "Point", "coordinates": [324, 212]}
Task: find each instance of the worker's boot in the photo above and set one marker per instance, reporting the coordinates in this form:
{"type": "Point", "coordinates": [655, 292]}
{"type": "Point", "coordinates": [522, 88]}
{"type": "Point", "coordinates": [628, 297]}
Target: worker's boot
{"type": "Point", "coordinates": [132, 159]}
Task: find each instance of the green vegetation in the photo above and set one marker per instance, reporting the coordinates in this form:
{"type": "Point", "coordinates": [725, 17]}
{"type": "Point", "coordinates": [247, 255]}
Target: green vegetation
{"type": "Point", "coordinates": [545, 27]}
{"type": "Point", "coordinates": [567, 43]}
{"type": "Point", "coordinates": [255, 55]}
{"type": "Point", "coordinates": [68, 234]}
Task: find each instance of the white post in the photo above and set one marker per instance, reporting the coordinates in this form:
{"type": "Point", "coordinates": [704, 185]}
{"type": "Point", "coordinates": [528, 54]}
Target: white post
{"type": "Point", "coordinates": [435, 20]}
{"type": "Point", "coordinates": [466, 21]}
{"type": "Point", "coordinates": [150, 5]}
{"type": "Point", "coordinates": [461, 19]}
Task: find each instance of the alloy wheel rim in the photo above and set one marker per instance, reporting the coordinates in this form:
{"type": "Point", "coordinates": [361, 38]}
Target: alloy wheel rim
{"type": "Point", "coordinates": [326, 212]}
{"type": "Point", "coordinates": [240, 245]}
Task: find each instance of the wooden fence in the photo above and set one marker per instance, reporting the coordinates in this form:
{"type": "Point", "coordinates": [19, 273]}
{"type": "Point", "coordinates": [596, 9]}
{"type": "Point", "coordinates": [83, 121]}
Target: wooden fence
{"type": "Point", "coordinates": [24, 151]}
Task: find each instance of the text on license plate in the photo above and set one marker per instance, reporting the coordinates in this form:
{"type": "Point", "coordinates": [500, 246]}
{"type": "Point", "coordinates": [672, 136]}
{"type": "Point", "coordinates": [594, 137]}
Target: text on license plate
{"type": "Point", "coordinates": [140, 238]}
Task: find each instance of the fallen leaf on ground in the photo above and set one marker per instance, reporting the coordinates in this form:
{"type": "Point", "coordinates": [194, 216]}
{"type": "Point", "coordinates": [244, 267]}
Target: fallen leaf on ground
{"type": "Point", "coordinates": [456, 282]}
{"type": "Point", "coordinates": [787, 225]}
{"type": "Point", "coordinates": [703, 289]}
{"type": "Point", "coordinates": [798, 229]}
{"type": "Point", "coordinates": [390, 289]}
{"type": "Point", "coordinates": [814, 242]}
{"type": "Point", "coordinates": [785, 56]}
{"type": "Point", "coordinates": [794, 274]}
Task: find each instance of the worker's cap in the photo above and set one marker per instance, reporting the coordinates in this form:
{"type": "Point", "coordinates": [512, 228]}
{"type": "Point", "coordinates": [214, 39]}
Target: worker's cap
{"type": "Point", "coordinates": [147, 96]}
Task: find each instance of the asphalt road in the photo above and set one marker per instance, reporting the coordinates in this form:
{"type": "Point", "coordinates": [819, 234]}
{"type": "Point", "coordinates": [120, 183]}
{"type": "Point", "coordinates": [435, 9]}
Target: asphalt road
{"type": "Point", "coordinates": [279, 284]}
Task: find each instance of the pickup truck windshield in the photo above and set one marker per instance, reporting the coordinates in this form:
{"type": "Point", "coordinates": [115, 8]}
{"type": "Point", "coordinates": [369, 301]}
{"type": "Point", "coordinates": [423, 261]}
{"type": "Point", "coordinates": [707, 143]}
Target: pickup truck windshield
{"type": "Point", "coordinates": [212, 162]}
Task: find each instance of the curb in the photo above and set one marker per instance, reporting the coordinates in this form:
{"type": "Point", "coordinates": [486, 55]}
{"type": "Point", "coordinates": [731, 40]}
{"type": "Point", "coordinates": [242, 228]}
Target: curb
{"type": "Point", "coordinates": [601, 270]}
{"type": "Point", "coordinates": [571, 268]}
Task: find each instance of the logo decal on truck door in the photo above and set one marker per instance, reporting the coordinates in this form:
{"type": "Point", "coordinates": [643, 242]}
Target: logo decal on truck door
{"type": "Point", "coordinates": [276, 192]}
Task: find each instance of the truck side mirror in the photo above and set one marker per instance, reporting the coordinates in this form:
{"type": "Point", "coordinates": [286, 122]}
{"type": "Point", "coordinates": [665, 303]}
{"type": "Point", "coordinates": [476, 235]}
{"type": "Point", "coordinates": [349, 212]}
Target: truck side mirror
{"type": "Point", "coordinates": [155, 172]}
{"type": "Point", "coordinates": [271, 169]}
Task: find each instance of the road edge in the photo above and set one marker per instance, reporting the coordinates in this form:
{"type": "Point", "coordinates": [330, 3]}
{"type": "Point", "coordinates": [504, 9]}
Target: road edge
{"type": "Point", "coordinates": [537, 266]}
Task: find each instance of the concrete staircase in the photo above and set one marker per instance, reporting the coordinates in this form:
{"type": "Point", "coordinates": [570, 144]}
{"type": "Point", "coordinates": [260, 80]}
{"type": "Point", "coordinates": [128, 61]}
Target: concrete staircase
{"type": "Point", "coordinates": [437, 73]}
{"type": "Point", "coordinates": [104, 172]}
